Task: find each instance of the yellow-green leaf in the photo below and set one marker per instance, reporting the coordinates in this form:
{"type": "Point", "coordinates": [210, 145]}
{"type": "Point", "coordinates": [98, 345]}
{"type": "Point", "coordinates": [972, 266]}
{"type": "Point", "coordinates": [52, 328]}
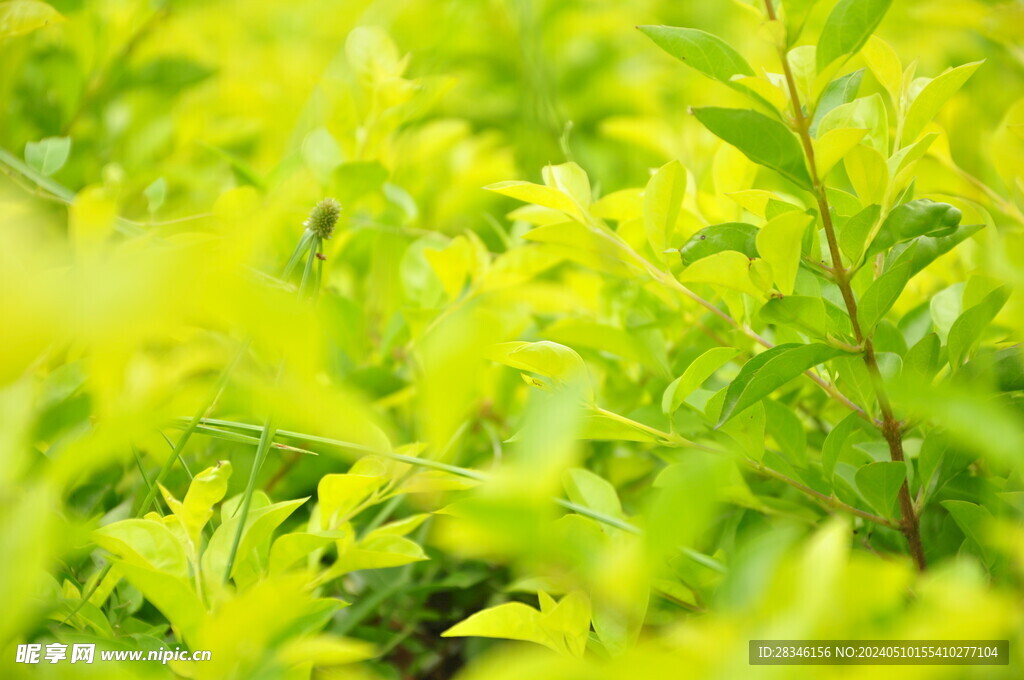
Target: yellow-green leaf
{"type": "Point", "coordinates": [663, 201]}
{"type": "Point", "coordinates": [779, 242]}
{"type": "Point", "coordinates": [18, 17]}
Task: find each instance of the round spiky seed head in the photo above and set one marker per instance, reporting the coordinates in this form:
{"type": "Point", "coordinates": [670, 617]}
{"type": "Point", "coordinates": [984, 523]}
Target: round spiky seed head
{"type": "Point", "coordinates": [322, 219]}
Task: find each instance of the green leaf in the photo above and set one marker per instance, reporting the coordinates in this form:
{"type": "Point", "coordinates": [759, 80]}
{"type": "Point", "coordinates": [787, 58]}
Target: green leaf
{"type": "Point", "coordinates": [562, 627]}
{"type": "Point", "coordinates": [146, 543]}
{"type": "Point", "coordinates": [591, 491]}
{"type": "Point", "coordinates": [881, 295]}
{"type": "Point", "coordinates": [339, 494]}
{"type": "Point", "coordinates": [401, 527]}
{"type": "Point", "coordinates": [847, 28]}
{"type": "Point", "coordinates": [885, 65]}
{"type": "Point", "coordinates": [356, 179]}
{"type": "Point", "coordinates": [866, 113]}
{"type": "Point", "coordinates": [172, 595]}
{"type": "Point", "coordinates": [842, 90]}
{"type": "Point", "coordinates": [738, 236]}
{"type": "Point", "coordinates": [833, 145]}
{"type": "Point", "coordinates": [156, 194]}
{"type": "Point", "coordinates": [545, 358]}
{"type": "Point", "coordinates": [48, 155]}
{"type": "Point", "coordinates": [511, 621]}
{"type": "Point", "coordinates": [325, 651]}
{"type": "Point", "coordinates": [879, 484]}
{"type": "Point", "coordinates": [18, 17]}
{"type": "Point", "coordinates": [868, 173]}
{"type": "Point", "coordinates": [853, 235]}
{"type": "Point", "coordinates": [378, 552]}
{"type": "Point", "coordinates": [804, 313]}
{"type": "Point", "coordinates": [699, 370]}
{"type": "Point", "coordinates": [787, 430]}
{"type": "Point", "coordinates": [780, 242]}
{"type": "Point", "coordinates": [966, 331]}
{"type": "Point", "coordinates": [605, 338]}
{"type": "Point", "coordinates": [538, 194]}
{"type": "Point", "coordinates": [769, 371]}
{"type": "Point", "coordinates": [924, 250]}
{"type": "Point", "coordinates": [571, 180]}
{"type": "Point", "coordinates": [915, 218]}
{"type": "Point", "coordinates": [663, 202]}
{"type": "Point", "coordinates": [727, 269]}
{"type": "Point", "coordinates": [922, 360]}
{"type": "Point", "coordinates": [206, 490]}
{"type": "Point", "coordinates": [579, 243]}
{"type": "Point", "coordinates": [928, 102]}
{"type": "Point", "coordinates": [908, 155]}
{"type": "Point", "coordinates": [835, 440]}
{"type": "Point", "coordinates": [973, 520]}
{"type": "Point", "coordinates": [707, 53]}
{"type": "Point", "coordinates": [253, 549]}
{"type": "Point", "coordinates": [433, 481]}
{"type": "Point", "coordinates": [761, 139]}
{"type": "Point", "coordinates": [291, 547]}
{"type": "Point", "coordinates": [796, 12]}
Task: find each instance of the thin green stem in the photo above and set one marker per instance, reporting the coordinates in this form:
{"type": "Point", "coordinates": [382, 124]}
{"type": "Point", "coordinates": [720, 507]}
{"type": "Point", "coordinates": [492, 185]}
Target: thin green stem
{"type": "Point", "coordinates": [600, 517]}
{"type": "Point", "coordinates": [269, 429]}
{"type": "Point", "coordinates": [261, 453]}
{"type": "Point", "coordinates": [191, 428]}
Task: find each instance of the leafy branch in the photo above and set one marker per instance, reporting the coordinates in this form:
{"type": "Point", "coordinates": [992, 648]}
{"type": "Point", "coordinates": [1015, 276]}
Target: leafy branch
{"type": "Point", "coordinates": [891, 428]}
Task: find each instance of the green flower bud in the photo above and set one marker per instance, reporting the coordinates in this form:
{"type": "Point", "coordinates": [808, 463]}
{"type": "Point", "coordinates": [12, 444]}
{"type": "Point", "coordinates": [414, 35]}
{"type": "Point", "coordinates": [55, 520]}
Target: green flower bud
{"type": "Point", "coordinates": [322, 219]}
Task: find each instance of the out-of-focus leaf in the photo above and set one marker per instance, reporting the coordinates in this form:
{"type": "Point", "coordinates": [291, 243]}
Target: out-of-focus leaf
{"type": "Point", "coordinates": [663, 201]}
{"type": "Point", "coordinates": [797, 12]}
{"type": "Point", "coordinates": [968, 328]}
{"type": "Point", "coordinates": [538, 194]}
{"type": "Point", "coordinates": [561, 627]}
{"type": "Point", "coordinates": [18, 17]}
{"type": "Point", "coordinates": [49, 155]}
{"type": "Point", "coordinates": [973, 520]}
{"type": "Point", "coordinates": [291, 547]}
{"type": "Point", "coordinates": [378, 552]}
{"type": "Point", "coordinates": [879, 484]}
{"type": "Point", "coordinates": [930, 99]}
{"type": "Point", "coordinates": [805, 313]}
{"type": "Point", "coordinates": [835, 440]}
{"type": "Point", "coordinates": [144, 543]}
{"type": "Point", "coordinates": [591, 491]}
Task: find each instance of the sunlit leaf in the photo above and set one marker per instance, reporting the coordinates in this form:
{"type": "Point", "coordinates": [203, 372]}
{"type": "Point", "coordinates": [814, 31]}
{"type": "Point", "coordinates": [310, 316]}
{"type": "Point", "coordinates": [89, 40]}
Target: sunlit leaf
{"type": "Point", "coordinates": [848, 27]}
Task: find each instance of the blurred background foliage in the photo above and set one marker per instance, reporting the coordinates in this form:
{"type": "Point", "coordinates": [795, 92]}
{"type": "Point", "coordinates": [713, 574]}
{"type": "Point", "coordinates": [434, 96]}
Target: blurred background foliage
{"type": "Point", "coordinates": [136, 262]}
